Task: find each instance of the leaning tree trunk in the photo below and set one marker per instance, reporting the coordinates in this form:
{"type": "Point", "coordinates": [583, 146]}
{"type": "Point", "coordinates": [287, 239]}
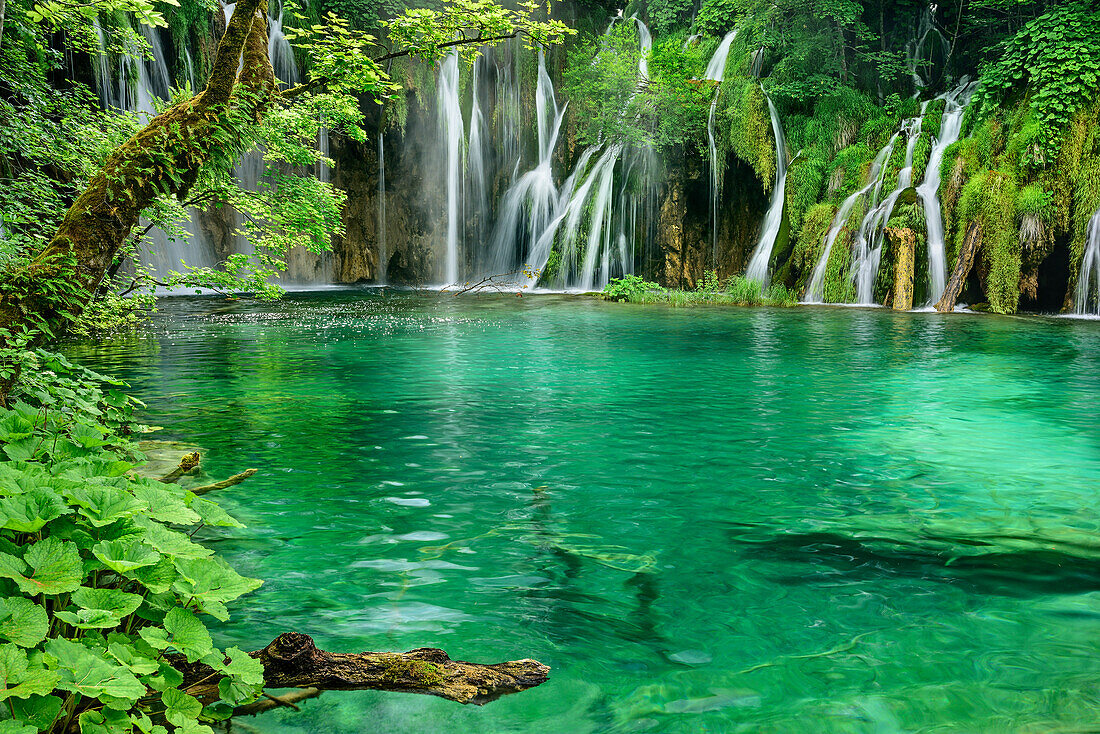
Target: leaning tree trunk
{"type": "Point", "coordinates": [967, 254]}
{"type": "Point", "coordinates": [164, 158]}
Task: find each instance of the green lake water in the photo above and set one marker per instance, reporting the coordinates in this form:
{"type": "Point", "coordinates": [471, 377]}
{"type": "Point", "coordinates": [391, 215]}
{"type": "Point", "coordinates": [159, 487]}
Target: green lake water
{"type": "Point", "coordinates": [708, 520]}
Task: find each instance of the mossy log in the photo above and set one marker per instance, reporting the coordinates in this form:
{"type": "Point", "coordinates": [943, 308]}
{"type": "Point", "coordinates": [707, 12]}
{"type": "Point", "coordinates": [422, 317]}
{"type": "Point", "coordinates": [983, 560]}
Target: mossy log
{"type": "Point", "coordinates": [292, 660]}
{"type": "Point", "coordinates": [969, 251]}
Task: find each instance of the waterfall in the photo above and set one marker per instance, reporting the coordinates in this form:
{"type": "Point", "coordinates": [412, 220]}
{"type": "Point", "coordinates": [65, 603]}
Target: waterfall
{"type": "Point", "coordinates": [528, 206]}
{"type": "Point", "coordinates": [868, 250]}
{"type": "Point", "coordinates": [716, 71]}
{"type": "Point", "coordinates": [451, 129]}
{"type": "Point", "coordinates": [928, 191]}
{"type": "Point", "coordinates": [815, 291]}
{"type": "Point", "coordinates": [478, 199]}
{"type": "Point", "coordinates": [278, 47]}
{"type": "Point", "coordinates": [645, 42]}
{"type": "Point", "coordinates": [383, 253]}
{"type": "Point", "coordinates": [1089, 277]}
{"type": "Point", "coordinates": [773, 222]}
{"type": "Point", "coordinates": [324, 173]}
{"type": "Point", "coordinates": [913, 50]}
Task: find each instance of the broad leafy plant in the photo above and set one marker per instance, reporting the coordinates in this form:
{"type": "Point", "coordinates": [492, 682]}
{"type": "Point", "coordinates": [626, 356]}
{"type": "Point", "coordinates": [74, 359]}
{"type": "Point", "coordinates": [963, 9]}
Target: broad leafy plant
{"type": "Point", "coordinates": [103, 592]}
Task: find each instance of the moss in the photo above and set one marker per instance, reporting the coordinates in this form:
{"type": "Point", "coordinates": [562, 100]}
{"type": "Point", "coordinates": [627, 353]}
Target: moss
{"type": "Point", "coordinates": [922, 151]}
{"type": "Point", "coordinates": [811, 238]}
{"type": "Point", "coordinates": [933, 117]}
{"type": "Point", "coordinates": [848, 171]}
{"type": "Point", "coordinates": [805, 178]}
{"type": "Point", "coordinates": [749, 129]}
{"type": "Point", "coordinates": [397, 669]}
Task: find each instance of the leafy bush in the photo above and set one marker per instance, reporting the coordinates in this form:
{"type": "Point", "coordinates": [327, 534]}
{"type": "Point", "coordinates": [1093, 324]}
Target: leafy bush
{"type": "Point", "coordinates": [628, 288]}
{"type": "Point", "coordinates": [101, 593]}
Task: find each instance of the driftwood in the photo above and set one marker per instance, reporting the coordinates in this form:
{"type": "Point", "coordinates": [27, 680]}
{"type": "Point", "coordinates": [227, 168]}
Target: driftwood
{"type": "Point", "coordinates": [291, 660]}
{"type": "Point", "coordinates": [268, 702]}
{"type": "Point", "coordinates": [962, 269]}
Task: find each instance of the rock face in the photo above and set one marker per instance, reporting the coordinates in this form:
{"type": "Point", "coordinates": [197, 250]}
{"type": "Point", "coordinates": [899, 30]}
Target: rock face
{"type": "Point", "coordinates": [686, 249]}
{"type": "Point", "coordinates": [904, 244]}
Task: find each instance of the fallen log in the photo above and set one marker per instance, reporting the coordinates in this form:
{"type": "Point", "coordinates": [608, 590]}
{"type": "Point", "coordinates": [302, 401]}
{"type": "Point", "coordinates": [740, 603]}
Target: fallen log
{"type": "Point", "coordinates": [967, 254]}
{"type": "Point", "coordinates": [292, 660]}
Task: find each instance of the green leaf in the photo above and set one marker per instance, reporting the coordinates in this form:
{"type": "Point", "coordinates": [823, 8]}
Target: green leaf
{"type": "Point", "coordinates": [19, 678]}
{"type": "Point", "coordinates": [211, 513]}
{"type": "Point", "coordinates": [166, 505]}
{"type": "Point", "coordinates": [182, 631]}
{"type": "Point", "coordinates": [125, 555]}
{"type": "Point", "coordinates": [22, 450]}
{"type": "Point", "coordinates": [54, 564]}
{"type": "Point", "coordinates": [22, 621]}
{"type": "Point", "coordinates": [105, 721]}
{"type": "Point", "coordinates": [37, 711]}
{"type": "Point", "coordinates": [211, 578]}
{"type": "Point", "coordinates": [29, 512]}
{"type": "Point", "coordinates": [100, 608]}
{"type": "Point", "coordinates": [16, 727]}
{"type": "Point", "coordinates": [89, 673]}
{"type": "Point", "coordinates": [169, 542]}
{"type": "Point", "coordinates": [179, 707]}
{"type": "Point", "coordinates": [158, 578]}
{"type": "Point", "coordinates": [102, 505]}
{"type": "Point", "coordinates": [245, 676]}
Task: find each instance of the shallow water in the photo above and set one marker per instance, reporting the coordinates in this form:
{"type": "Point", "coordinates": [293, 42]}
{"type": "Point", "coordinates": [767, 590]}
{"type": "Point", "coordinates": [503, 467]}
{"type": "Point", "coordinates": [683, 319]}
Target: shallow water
{"type": "Point", "coordinates": [701, 519]}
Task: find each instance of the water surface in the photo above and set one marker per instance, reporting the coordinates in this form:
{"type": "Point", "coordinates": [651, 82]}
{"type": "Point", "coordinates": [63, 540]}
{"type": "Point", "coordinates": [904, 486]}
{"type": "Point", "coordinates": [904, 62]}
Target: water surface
{"type": "Point", "coordinates": [712, 520]}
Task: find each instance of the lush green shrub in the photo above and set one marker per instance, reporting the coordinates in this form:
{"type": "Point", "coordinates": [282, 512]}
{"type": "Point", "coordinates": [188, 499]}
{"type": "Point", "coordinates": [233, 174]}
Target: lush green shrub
{"type": "Point", "coordinates": [628, 288]}
{"type": "Point", "coordinates": [102, 591]}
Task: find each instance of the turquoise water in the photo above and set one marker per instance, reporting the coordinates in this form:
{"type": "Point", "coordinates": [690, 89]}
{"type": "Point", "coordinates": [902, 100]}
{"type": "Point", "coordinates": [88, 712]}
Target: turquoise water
{"type": "Point", "coordinates": [715, 520]}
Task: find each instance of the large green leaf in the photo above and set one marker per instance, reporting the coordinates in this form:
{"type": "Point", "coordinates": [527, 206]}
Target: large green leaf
{"type": "Point", "coordinates": [105, 721]}
{"type": "Point", "coordinates": [245, 676]}
{"type": "Point", "coordinates": [37, 711]}
{"type": "Point", "coordinates": [211, 513]}
{"type": "Point", "coordinates": [14, 427]}
{"type": "Point", "coordinates": [22, 621]}
{"type": "Point", "coordinates": [89, 673]}
{"type": "Point", "coordinates": [21, 679]}
{"type": "Point", "coordinates": [125, 555]}
{"type": "Point", "coordinates": [99, 608]}
{"type": "Point", "coordinates": [166, 505]}
{"type": "Point", "coordinates": [102, 505]}
{"type": "Point", "coordinates": [158, 578]}
{"type": "Point", "coordinates": [211, 578]}
{"type": "Point", "coordinates": [11, 726]}
{"type": "Point", "coordinates": [30, 511]}
{"type": "Point", "coordinates": [170, 542]}
{"type": "Point", "coordinates": [183, 631]}
{"type": "Point", "coordinates": [179, 707]}
{"type": "Point", "coordinates": [23, 449]}
{"type": "Point", "coordinates": [54, 568]}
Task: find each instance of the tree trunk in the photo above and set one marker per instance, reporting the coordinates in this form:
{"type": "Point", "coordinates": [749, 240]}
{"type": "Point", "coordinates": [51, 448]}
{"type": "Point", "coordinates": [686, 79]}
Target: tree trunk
{"type": "Point", "coordinates": [3, 7]}
{"type": "Point", "coordinates": [962, 269]}
{"type": "Point", "coordinates": [293, 661]}
{"type": "Point", "coordinates": [164, 158]}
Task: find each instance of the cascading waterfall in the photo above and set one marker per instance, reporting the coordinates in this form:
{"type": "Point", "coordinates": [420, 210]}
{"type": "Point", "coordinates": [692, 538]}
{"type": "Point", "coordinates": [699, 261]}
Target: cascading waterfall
{"type": "Point", "coordinates": [815, 291]}
{"type": "Point", "coordinates": [383, 252]}
{"type": "Point", "coordinates": [955, 103]}
{"type": "Point", "coordinates": [716, 72]}
{"type": "Point", "coordinates": [529, 204]}
{"type": "Point", "coordinates": [868, 250]}
{"type": "Point", "coordinates": [773, 222]}
{"type": "Point", "coordinates": [477, 186]}
{"type": "Point", "coordinates": [919, 50]}
{"type": "Point", "coordinates": [1088, 280]}
{"type": "Point", "coordinates": [451, 130]}
{"type": "Point", "coordinates": [278, 47]}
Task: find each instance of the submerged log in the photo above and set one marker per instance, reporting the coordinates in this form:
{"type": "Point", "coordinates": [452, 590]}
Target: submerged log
{"type": "Point", "coordinates": [292, 660]}
{"type": "Point", "coordinates": [223, 484]}
{"type": "Point", "coordinates": [955, 285]}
